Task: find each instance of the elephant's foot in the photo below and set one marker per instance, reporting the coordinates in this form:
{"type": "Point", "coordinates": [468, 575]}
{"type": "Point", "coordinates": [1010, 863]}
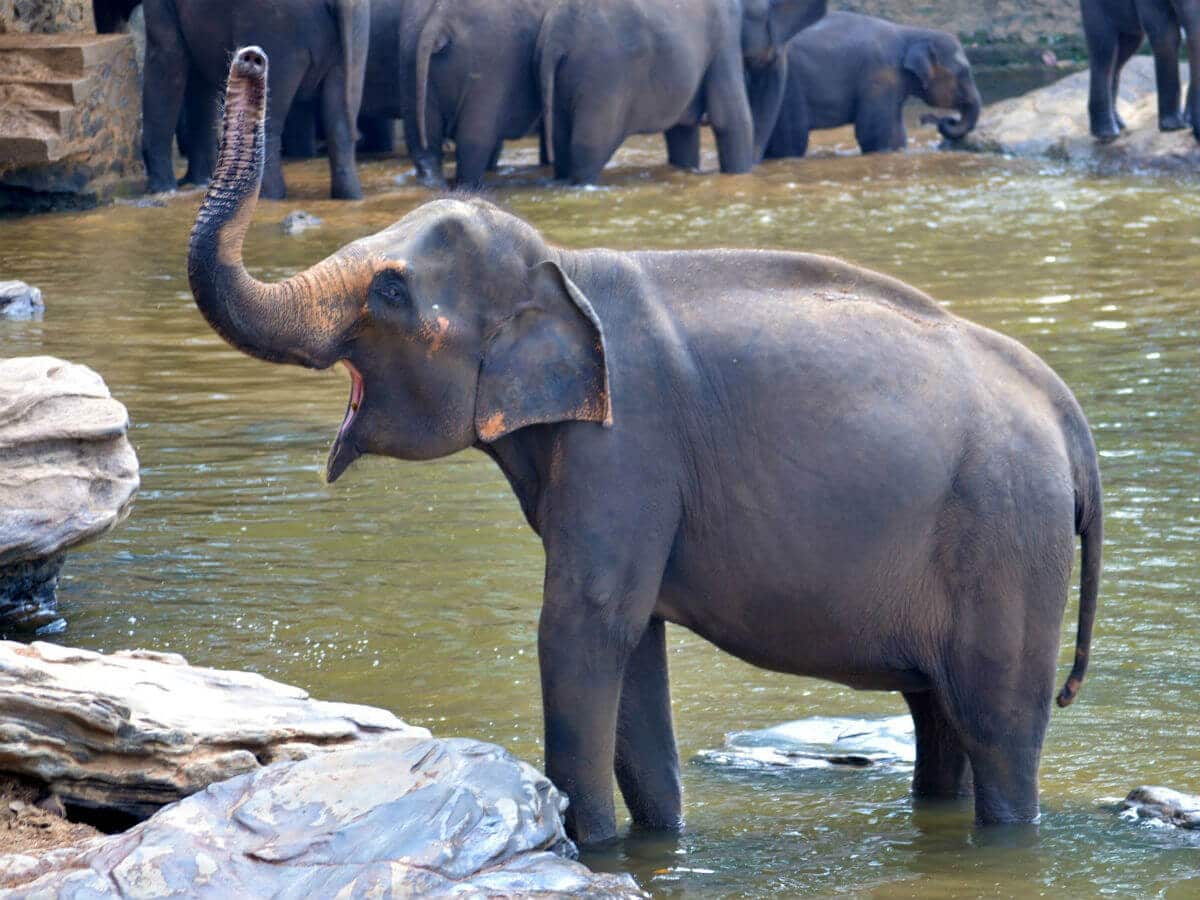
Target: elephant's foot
{"type": "Point", "coordinates": [346, 190]}
{"type": "Point", "coordinates": [1173, 122]}
{"type": "Point", "coordinates": [1106, 136]}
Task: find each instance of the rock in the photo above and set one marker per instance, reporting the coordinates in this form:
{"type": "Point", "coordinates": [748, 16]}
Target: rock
{"type": "Point", "coordinates": [1162, 804]}
{"type": "Point", "coordinates": [1052, 122]}
{"type": "Point", "coordinates": [70, 474]}
{"type": "Point", "coordinates": [135, 730]}
{"type": "Point", "coordinates": [819, 742]}
{"type": "Point", "coordinates": [19, 300]}
{"type": "Point", "coordinates": [298, 220]}
{"type": "Point", "coordinates": [401, 816]}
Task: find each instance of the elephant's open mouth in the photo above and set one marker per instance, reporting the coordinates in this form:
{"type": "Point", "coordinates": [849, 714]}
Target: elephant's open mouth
{"type": "Point", "coordinates": [356, 397]}
{"type": "Point", "coordinates": [344, 451]}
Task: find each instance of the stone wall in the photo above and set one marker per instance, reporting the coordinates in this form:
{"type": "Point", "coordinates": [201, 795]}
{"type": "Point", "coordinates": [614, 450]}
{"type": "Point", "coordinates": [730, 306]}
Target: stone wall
{"type": "Point", "coordinates": [70, 107]}
{"type": "Point", "coordinates": [46, 16]}
{"type": "Point", "coordinates": [983, 21]}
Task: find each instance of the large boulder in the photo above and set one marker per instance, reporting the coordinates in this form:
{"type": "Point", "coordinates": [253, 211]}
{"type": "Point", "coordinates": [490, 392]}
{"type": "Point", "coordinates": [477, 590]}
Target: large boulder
{"type": "Point", "coordinates": [819, 742]}
{"type": "Point", "coordinates": [135, 730]}
{"type": "Point", "coordinates": [400, 817]}
{"type": "Point", "coordinates": [1052, 122]}
{"type": "Point", "coordinates": [70, 474]}
{"type": "Point", "coordinates": [1163, 805]}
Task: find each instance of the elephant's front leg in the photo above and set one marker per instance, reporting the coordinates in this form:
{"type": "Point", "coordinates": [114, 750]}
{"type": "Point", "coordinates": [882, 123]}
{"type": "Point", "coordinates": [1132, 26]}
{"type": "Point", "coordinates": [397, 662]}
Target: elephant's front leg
{"type": "Point", "coordinates": [593, 618]}
{"type": "Point", "coordinates": [729, 113]}
{"type": "Point", "coordinates": [647, 762]}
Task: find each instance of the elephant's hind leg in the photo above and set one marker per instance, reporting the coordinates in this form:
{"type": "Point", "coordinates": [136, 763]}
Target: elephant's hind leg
{"type": "Point", "coordinates": [647, 762]}
{"type": "Point", "coordinates": [943, 771]}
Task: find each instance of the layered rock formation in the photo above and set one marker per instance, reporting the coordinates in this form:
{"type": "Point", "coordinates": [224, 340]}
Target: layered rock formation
{"type": "Point", "coordinates": [67, 474]}
{"type": "Point", "coordinates": [135, 730]}
{"type": "Point", "coordinates": [70, 108]}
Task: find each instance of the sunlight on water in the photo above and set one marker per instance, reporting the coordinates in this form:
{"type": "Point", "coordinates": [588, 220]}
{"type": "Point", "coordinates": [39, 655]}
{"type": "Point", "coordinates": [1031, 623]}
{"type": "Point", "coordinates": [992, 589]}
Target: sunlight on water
{"type": "Point", "coordinates": [416, 586]}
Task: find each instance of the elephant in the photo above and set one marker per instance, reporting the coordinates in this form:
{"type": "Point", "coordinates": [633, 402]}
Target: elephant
{"type": "Point", "coordinates": [611, 68]}
{"type": "Point", "coordinates": [850, 68]}
{"type": "Point", "coordinates": [320, 48]}
{"type": "Point", "coordinates": [1114, 30]}
{"type": "Point", "coordinates": [472, 81]}
{"type": "Point", "coordinates": [815, 467]}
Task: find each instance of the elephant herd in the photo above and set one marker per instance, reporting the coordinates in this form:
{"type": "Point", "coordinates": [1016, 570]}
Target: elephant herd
{"type": "Point", "coordinates": [584, 74]}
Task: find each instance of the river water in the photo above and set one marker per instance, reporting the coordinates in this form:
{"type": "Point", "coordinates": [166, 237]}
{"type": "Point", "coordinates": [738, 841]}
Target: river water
{"type": "Point", "coordinates": [416, 586]}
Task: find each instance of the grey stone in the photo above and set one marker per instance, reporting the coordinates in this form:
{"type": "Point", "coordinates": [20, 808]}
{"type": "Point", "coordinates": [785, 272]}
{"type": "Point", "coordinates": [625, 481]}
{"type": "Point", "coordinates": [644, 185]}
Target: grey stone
{"type": "Point", "coordinates": [1162, 804]}
{"type": "Point", "coordinates": [819, 742]}
{"type": "Point", "coordinates": [19, 300]}
{"type": "Point", "coordinates": [400, 817]}
{"type": "Point", "coordinates": [299, 220]}
{"type": "Point", "coordinates": [1052, 123]}
{"type": "Point", "coordinates": [70, 474]}
{"type": "Point", "coordinates": [135, 730]}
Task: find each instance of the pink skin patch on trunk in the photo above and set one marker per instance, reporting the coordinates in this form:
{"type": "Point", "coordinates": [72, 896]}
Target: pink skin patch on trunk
{"type": "Point", "coordinates": [356, 397]}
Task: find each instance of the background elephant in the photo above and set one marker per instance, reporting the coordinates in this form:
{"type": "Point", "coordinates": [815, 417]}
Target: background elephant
{"type": "Point", "coordinates": [473, 82]}
{"type": "Point", "coordinates": [853, 68]}
{"type": "Point", "coordinates": [1115, 30]}
{"type": "Point", "coordinates": [612, 68]}
{"type": "Point", "coordinates": [817, 468]}
{"type": "Point", "coordinates": [320, 49]}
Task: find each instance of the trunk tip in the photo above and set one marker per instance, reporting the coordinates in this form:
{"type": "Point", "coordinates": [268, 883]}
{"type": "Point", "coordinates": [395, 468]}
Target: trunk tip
{"type": "Point", "coordinates": [250, 62]}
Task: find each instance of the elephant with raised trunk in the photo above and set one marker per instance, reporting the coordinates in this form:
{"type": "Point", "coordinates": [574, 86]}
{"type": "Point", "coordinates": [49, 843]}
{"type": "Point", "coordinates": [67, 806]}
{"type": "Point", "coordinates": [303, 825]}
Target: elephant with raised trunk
{"type": "Point", "coordinates": [1114, 30]}
{"type": "Point", "coordinates": [817, 468]}
{"type": "Point", "coordinates": [612, 68]}
{"type": "Point", "coordinates": [850, 68]}
{"type": "Point", "coordinates": [320, 52]}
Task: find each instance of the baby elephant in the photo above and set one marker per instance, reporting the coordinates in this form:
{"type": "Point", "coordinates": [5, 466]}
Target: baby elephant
{"type": "Point", "coordinates": [851, 68]}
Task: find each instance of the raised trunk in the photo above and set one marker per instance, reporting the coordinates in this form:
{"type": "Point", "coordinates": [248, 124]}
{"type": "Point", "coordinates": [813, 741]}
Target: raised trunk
{"type": "Point", "coordinates": [968, 117]}
{"type": "Point", "coordinates": [302, 320]}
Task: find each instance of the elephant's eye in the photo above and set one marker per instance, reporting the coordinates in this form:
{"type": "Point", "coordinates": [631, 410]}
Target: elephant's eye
{"type": "Point", "coordinates": [392, 290]}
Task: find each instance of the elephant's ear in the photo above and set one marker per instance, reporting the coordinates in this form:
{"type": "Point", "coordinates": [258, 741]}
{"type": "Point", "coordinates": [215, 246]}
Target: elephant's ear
{"type": "Point", "coordinates": [919, 59]}
{"type": "Point", "coordinates": [790, 17]}
{"type": "Point", "coordinates": [547, 363]}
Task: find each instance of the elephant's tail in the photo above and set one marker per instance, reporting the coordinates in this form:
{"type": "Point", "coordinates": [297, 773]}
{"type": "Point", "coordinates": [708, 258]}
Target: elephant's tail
{"type": "Point", "coordinates": [550, 52]}
{"type": "Point", "coordinates": [1089, 524]}
{"type": "Point", "coordinates": [433, 39]}
{"type": "Point", "coordinates": [354, 29]}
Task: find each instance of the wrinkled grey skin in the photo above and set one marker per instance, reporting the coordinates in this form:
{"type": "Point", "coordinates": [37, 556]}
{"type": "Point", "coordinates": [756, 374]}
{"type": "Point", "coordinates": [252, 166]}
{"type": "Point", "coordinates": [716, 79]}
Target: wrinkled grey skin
{"type": "Point", "coordinates": [815, 467]}
{"type": "Point", "coordinates": [611, 68]}
{"type": "Point", "coordinates": [858, 69]}
{"type": "Point", "coordinates": [1115, 30]}
{"type": "Point", "coordinates": [319, 48]}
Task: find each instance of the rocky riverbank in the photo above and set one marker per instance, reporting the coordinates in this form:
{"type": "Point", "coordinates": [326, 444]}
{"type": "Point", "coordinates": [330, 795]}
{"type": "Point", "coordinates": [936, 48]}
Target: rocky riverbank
{"type": "Point", "coordinates": [249, 787]}
{"type": "Point", "coordinates": [1052, 123]}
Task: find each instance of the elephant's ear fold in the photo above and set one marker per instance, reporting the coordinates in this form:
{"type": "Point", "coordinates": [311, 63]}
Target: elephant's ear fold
{"type": "Point", "coordinates": [918, 59]}
{"type": "Point", "coordinates": [544, 364]}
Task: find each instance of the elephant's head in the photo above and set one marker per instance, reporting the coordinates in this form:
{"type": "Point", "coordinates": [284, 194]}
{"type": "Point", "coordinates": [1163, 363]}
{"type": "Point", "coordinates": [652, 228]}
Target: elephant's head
{"type": "Point", "coordinates": [942, 75]}
{"type": "Point", "coordinates": [767, 26]}
{"type": "Point", "coordinates": [457, 324]}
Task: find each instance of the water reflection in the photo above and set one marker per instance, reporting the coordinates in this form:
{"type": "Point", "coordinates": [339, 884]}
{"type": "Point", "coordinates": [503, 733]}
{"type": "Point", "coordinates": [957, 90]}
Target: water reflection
{"type": "Point", "coordinates": [416, 586]}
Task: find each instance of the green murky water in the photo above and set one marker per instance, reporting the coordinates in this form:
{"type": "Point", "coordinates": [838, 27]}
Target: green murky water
{"type": "Point", "coordinates": [416, 586]}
